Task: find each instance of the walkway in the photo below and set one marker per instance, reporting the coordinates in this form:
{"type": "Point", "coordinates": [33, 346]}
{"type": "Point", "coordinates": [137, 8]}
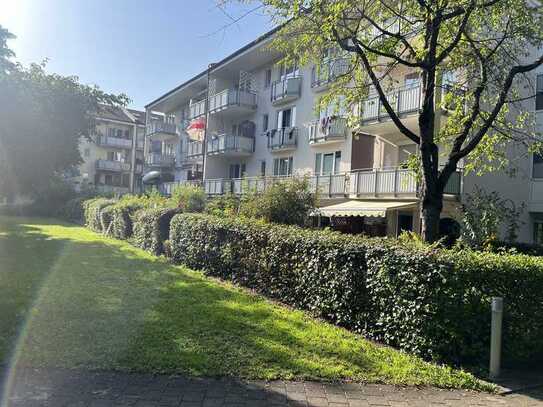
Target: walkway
{"type": "Point", "coordinates": [62, 388]}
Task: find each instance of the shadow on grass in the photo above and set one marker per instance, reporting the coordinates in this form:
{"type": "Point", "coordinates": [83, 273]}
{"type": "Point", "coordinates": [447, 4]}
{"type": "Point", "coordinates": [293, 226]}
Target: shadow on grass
{"type": "Point", "coordinates": [87, 301]}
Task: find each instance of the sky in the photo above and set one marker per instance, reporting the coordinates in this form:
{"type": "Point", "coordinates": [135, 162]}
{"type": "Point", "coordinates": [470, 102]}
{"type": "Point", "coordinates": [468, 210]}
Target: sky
{"type": "Point", "coordinates": [142, 48]}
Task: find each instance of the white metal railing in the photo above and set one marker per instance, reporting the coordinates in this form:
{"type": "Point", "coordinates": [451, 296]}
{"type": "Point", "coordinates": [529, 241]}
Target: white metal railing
{"type": "Point", "coordinates": [382, 183]}
{"type": "Point", "coordinates": [110, 165]}
{"type": "Point", "coordinates": [197, 109]}
{"type": "Point", "coordinates": [167, 188]}
{"type": "Point", "coordinates": [230, 143]}
{"type": "Point", "coordinates": [329, 71]}
{"type": "Point", "coordinates": [161, 160]}
{"type": "Point", "coordinates": [285, 138]}
{"type": "Point", "coordinates": [286, 89]}
{"type": "Point", "coordinates": [232, 97]}
{"type": "Point", "coordinates": [158, 126]}
{"type": "Point", "coordinates": [115, 142]}
{"type": "Point", "coordinates": [195, 149]}
{"type": "Point", "coordinates": [403, 100]}
{"type": "Point", "coordinates": [394, 182]}
{"type": "Point", "coordinates": [333, 128]}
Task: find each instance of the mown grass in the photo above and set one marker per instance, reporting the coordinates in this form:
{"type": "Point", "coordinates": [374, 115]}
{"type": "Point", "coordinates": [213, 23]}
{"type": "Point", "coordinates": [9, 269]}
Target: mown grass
{"type": "Point", "coordinates": [80, 300]}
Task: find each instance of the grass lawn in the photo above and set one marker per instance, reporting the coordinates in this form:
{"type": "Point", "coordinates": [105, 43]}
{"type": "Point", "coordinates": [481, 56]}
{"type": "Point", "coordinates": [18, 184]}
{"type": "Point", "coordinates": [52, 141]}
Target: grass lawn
{"type": "Point", "coordinates": [72, 298]}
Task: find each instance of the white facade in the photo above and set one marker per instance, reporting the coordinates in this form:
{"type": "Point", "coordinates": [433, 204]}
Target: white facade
{"type": "Point", "coordinates": [262, 123]}
{"type": "Point", "coordinates": [113, 156]}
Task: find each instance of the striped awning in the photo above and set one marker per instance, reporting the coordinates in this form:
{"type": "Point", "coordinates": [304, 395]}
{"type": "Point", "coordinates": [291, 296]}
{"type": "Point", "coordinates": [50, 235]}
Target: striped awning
{"type": "Point", "coordinates": [364, 208]}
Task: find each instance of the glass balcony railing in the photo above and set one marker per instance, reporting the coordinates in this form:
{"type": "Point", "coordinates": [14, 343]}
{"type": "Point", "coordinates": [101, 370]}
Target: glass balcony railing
{"type": "Point", "coordinates": [160, 127]}
{"type": "Point", "coordinates": [118, 142]}
{"type": "Point", "coordinates": [197, 109]}
{"type": "Point", "coordinates": [160, 160]}
{"type": "Point", "coordinates": [232, 97]}
{"type": "Point", "coordinates": [328, 129]}
{"type": "Point", "coordinates": [329, 71]}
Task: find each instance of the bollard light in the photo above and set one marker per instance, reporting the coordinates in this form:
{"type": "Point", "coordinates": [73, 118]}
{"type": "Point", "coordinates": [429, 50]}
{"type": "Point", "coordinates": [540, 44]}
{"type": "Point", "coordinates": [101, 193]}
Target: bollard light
{"type": "Point", "coordinates": [496, 337]}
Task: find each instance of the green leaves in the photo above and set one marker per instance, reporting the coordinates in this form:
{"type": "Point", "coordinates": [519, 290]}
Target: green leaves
{"type": "Point", "coordinates": [427, 301]}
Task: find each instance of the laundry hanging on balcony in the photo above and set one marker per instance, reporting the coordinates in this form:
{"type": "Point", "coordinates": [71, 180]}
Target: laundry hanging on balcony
{"type": "Point", "coordinates": [196, 129]}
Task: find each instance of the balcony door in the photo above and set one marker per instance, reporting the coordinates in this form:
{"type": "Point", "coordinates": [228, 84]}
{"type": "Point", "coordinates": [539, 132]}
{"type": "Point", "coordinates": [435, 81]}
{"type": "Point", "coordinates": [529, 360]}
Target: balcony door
{"type": "Point", "coordinates": [286, 118]}
{"type": "Point", "coordinates": [237, 170]}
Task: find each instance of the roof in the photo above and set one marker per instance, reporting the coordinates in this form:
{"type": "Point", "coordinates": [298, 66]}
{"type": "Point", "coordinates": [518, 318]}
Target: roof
{"type": "Point", "coordinates": [364, 208]}
{"type": "Point", "coordinates": [121, 114]}
{"type": "Point", "coordinates": [260, 39]}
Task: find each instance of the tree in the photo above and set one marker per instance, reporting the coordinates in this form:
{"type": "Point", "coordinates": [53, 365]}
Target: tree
{"type": "Point", "coordinates": [42, 119]}
{"type": "Point", "coordinates": [490, 47]}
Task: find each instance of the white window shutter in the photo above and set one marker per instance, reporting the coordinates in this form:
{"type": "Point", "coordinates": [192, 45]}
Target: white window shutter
{"type": "Point", "coordinates": [280, 119]}
{"type": "Point", "coordinates": [293, 117]}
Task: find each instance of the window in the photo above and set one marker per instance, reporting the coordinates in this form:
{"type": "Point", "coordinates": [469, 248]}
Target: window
{"type": "Point", "coordinates": [265, 122]}
{"type": "Point", "coordinates": [119, 133]}
{"type": "Point", "coordinates": [327, 163]}
{"type": "Point", "coordinates": [111, 132]}
{"type": "Point", "coordinates": [126, 180]}
{"type": "Point", "coordinates": [286, 118]}
{"type": "Point", "coordinates": [109, 179]}
{"type": "Point", "coordinates": [539, 93]}
{"type": "Point", "coordinates": [127, 134]}
{"type": "Point", "coordinates": [267, 78]}
{"type": "Point", "coordinates": [282, 166]}
{"type": "Point", "coordinates": [263, 168]}
{"type": "Point", "coordinates": [538, 232]}
{"type": "Point", "coordinates": [411, 79]}
{"type": "Point", "coordinates": [115, 156]}
{"type": "Point", "coordinates": [86, 152]}
{"type": "Point", "coordinates": [288, 72]}
{"type": "Point", "coordinates": [537, 165]}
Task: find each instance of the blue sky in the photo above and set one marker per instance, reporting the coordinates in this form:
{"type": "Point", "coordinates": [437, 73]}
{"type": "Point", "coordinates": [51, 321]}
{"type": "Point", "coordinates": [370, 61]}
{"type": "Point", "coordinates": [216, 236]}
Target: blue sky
{"type": "Point", "coordinates": [140, 47]}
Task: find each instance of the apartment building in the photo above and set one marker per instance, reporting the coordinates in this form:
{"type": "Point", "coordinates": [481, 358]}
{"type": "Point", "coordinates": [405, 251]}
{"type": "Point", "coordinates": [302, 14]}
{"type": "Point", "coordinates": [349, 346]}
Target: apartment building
{"type": "Point", "coordinates": [246, 121]}
{"type": "Point", "coordinates": [113, 156]}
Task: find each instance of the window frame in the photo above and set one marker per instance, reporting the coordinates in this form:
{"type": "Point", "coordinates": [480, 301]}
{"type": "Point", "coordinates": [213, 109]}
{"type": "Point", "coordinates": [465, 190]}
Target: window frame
{"type": "Point", "coordinates": [320, 160]}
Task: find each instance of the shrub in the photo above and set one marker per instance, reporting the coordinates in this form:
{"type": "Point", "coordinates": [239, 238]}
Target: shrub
{"type": "Point", "coordinates": [93, 212]}
{"type": "Point", "coordinates": [73, 210]}
{"type": "Point", "coordinates": [151, 228]}
{"type": "Point", "coordinates": [428, 301]}
{"type": "Point", "coordinates": [223, 205]}
{"type": "Point", "coordinates": [189, 198]}
{"type": "Point", "coordinates": [122, 213]}
{"type": "Point", "coordinates": [289, 202]}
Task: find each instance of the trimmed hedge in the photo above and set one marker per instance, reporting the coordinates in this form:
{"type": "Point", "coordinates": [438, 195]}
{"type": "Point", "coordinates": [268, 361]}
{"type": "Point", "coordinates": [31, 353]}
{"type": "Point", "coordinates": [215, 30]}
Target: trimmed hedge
{"type": "Point", "coordinates": [93, 208]}
{"type": "Point", "coordinates": [152, 228]}
{"type": "Point", "coordinates": [434, 303]}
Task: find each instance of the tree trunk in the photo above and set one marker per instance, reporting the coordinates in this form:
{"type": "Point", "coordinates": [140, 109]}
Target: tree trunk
{"type": "Point", "coordinates": [431, 207]}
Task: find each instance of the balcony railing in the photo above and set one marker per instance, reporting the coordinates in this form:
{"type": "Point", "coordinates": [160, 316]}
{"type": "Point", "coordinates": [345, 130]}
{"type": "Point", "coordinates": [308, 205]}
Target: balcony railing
{"type": "Point", "coordinates": [167, 188]}
{"type": "Point", "coordinates": [232, 97]}
{"type": "Point", "coordinates": [160, 127]}
{"type": "Point", "coordinates": [403, 100]}
{"type": "Point", "coordinates": [329, 71]}
{"type": "Point", "coordinates": [283, 139]}
{"type": "Point", "coordinates": [286, 89]}
{"type": "Point", "coordinates": [115, 142]}
{"type": "Point", "coordinates": [195, 149]}
{"type": "Point", "coordinates": [110, 165]}
{"type": "Point", "coordinates": [160, 160]}
{"type": "Point", "coordinates": [331, 129]}
{"type": "Point", "coordinates": [112, 189]}
{"type": "Point", "coordinates": [395, 182]}
{"type": "Point", "coordinates": [380, 183]}
{"type": "Point", "coordinates": [197, 109]}
{"type": "Point", "coordinates": [228, 143]}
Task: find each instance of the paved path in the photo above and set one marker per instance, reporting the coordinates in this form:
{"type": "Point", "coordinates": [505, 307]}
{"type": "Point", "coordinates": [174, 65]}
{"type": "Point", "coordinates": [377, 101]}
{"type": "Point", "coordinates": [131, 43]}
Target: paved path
{"type": "Point", "coordinates": [61, 388]}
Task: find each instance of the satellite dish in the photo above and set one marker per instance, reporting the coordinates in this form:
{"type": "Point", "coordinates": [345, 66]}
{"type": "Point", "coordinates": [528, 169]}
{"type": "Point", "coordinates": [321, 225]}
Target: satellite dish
{"type": "Point", "coordinates": [152, 177]}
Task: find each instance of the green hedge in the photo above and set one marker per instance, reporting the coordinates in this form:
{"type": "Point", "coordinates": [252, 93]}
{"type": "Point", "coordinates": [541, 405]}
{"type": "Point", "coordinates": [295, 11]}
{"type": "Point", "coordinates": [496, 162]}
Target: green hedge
{"type": "Point", "coordinates": [73, 210]}
{"type": "Point", "coordinates": [433, 303]}
{"type": "Point", "coordinates": [151, 228]}
{"type": "Point", "coordinates": [93, 209]}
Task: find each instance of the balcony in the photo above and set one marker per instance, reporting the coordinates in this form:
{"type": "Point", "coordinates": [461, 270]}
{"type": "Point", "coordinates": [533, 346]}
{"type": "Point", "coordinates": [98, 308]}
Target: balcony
{"type": "Point", "coordinates": [326, 185]}
{"type": "Point", "coordinates": [167, 188]}
{"type": "Point", "coordinates": [285, 139]}
{"type": "Point", "coordinates": [404, 101]}
{"type": "Point", "coordinates": [113, 166]}
{"type": "Point", "coordinates": [195, 150]}
{"type": "Point", "coordinates": [393, 183]}
{"type": "Point", "coordinates": [160, 160]}
{"type": "Point", "coordinates": [118, 142]}
{"type": "Point", "coordinates": [286, 90]}
{"type": "Point", "coordinates": [233, 101]}
{"type": "Point", "coordinates": [161, 131]}
{"type": "Point", "coordinates": [112, 189]}
{"type": "Point", "coordinates": [328, 72]}
{"type": "Point", "coordinates": [230, 145]}
{"type": "Point", "coordinates": [197, 109]}
{"type": "Point", "coordinates": [329, 130]}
